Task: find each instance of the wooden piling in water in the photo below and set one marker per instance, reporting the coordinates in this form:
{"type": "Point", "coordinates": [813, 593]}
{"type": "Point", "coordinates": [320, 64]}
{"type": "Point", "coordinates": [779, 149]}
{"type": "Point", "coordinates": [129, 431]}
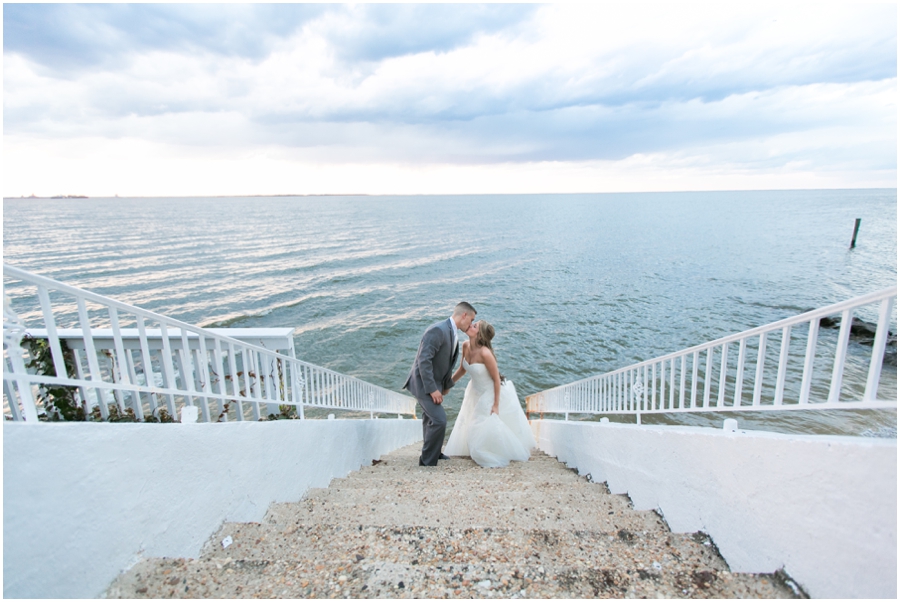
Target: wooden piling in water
{"type": "Point", "coordinates": [855, 232]}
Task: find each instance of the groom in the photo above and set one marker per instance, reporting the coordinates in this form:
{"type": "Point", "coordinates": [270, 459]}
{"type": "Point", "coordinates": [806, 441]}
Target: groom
{"type": "Point", "coordinates": [432, 376]}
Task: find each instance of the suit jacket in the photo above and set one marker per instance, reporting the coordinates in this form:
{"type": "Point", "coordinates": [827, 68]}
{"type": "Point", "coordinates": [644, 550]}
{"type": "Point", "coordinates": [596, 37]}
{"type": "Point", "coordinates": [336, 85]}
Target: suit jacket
{"type": "Point", "coordinates": [433, 368]}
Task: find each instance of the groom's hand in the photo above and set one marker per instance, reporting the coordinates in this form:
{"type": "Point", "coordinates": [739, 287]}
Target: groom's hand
{"type": "Point", "coordinates": [437, 397]}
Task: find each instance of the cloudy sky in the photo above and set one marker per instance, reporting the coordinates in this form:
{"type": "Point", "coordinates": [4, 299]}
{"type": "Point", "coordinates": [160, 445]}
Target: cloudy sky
{"type": "Point", "coordinates": [210, 99]}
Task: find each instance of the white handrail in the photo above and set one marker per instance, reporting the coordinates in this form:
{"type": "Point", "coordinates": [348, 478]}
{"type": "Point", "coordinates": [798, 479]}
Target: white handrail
{"type": "Point", "coordinates": [641, 388]}
{"type": "Point", "coordinates": [192, 363]}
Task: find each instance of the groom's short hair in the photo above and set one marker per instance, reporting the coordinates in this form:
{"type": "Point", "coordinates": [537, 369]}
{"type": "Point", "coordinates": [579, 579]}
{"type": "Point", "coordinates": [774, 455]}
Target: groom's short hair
{"type": "Point", "coordinates": [462, 307]}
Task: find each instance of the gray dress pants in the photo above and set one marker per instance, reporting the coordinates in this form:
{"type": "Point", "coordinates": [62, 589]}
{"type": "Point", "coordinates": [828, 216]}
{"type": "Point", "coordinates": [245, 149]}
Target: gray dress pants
{"type": "Point", "coordinates": [434, 424]}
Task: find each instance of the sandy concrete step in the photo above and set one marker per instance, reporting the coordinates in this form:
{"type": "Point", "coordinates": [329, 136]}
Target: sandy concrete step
{"type": "Point", "coordinates": [423, 545]}
{"type": "Point", "coordinates": [386, 572]}
{"type": "Point", "coordinates": [465, 508]}
{"type": "Point", "coordinates": [395, 529]}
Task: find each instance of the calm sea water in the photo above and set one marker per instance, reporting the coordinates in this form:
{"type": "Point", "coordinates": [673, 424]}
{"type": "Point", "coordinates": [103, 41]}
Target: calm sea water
{"type": "Point", "coordinates": [575, 285]}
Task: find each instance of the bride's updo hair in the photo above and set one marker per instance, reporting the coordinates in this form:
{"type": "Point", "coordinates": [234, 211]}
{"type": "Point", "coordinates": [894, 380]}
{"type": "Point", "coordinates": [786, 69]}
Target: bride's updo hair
{"type": "Point", "coordinates": [483, 338]}
{"type": "Point", "coordinates": [485, 334]}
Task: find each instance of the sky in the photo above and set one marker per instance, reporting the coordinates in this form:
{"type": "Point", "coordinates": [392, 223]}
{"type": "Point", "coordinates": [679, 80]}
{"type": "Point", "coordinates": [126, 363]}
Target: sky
{"type": "Point", "coordinates": [239, 99]}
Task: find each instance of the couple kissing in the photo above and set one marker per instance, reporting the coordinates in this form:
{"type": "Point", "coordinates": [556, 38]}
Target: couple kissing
{"type": "Point", "coordinates": [491, 427]}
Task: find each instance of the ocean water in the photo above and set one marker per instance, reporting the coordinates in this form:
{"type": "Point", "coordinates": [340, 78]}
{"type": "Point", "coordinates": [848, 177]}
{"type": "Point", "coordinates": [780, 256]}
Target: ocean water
{"type": "Point", "coordinates": [576, 284]}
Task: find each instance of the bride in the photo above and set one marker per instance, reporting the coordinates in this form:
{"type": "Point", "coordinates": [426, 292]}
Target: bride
{"type": "Point", "coordinates": [491, 426]}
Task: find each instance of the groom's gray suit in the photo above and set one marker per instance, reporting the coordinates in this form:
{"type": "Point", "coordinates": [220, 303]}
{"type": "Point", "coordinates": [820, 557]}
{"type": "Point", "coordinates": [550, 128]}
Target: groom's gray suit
{"type": "Point", "coordinates": [433, 371]}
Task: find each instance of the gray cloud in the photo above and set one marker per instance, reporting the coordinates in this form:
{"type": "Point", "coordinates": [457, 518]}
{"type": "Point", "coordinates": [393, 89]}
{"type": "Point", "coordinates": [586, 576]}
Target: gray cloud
{"type": "Point", "coordinates": [381, 31]}
{"type": "Point", "coordinates": [68, 38]}
{"type": "Point", "coordinates": [638, 97]}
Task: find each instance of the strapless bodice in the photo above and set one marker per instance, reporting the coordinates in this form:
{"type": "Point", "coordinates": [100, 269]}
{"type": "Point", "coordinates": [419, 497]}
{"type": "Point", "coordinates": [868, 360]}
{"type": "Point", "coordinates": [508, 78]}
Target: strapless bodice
{"type": "Point", "coordinates": [481, 378]}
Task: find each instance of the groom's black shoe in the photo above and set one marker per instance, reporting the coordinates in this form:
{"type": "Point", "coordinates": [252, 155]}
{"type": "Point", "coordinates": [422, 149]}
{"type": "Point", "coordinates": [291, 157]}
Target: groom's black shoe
{"type": "Point", "coordinates": [443, 457]}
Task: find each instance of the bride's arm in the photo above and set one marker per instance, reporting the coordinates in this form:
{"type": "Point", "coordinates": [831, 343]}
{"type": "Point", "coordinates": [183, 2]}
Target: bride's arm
{"type": "Point", "coordinates": [459, 373]}
{"type": "Point", "coordinates": [490, 362]}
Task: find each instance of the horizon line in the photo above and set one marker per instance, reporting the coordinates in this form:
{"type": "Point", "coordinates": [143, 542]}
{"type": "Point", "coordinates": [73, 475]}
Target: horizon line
{"type": "Point", "coordinates": [78, 197]}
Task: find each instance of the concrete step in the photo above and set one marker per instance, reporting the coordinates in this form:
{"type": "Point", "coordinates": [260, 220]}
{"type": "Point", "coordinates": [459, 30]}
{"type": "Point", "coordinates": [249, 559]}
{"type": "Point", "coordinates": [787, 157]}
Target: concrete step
{"type": "Point", "coordinates": [462, 508]}
{"type": "Point", "coordinates": [385, 572]}
{"type": "Point", "coordinates": [394, 529]}
{"type": "Point", "coordinates": [417, 545]}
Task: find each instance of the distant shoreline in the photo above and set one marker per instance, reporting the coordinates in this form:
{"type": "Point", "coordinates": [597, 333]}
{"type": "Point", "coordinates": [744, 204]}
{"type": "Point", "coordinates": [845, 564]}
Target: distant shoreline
{"type": "Point", "coordinates": [365, 194]}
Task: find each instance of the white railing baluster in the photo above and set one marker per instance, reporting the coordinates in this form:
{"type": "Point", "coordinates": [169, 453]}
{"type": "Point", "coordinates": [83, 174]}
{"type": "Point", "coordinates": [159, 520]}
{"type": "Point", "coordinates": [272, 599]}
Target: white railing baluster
{"type": "Point", "coordinates": [132, 374]}
{"type": "Point", "coordinates": [187, 366]}
{"type": "Point", "coordinates": [653, 388]}
{"type": "Point", "coordinates": [739, 374]}
{"type": "Point", "coordinates": [683, 379]}
{"type": "Point", "coordinates": [881, 332]}
{"type": "Point", "coordinates": [620, 391]}
{"type": "Point", "coordinates": [694, 370]}
{"type": "Point", "coordinates": [12, 395]}
{"type": "Point", "coordinates": [644, 400]}
{"type": "Point", "coordinates": [147, 363]}
{"type": "Point", "coordinates": [168, 369]}
{"type": "Point", "coordinates": [285, 392]}
{"type": "Point", "coordinates": [91, 352]}
{"type": "Point", "coordinates": [119, 359]}
{"type": "Point", "coordinates": [662, 385]}
{"type": "Point", "coordinates": [203, 365]}
{"type": "Point", "coordinates": [112, 369]}
{"type": "Point", "coordinates": [235, 383]}
{"type": "Point", "coordinates": [79, 373]}
{"type": "Point", "coordinates": [760, 364]}
{"type": "Point", "coordinates": [59, 361]}
{"type": "Point", "coordinates": [604, 385]}
{"type": "Point", "coordinates": [707, 380]}
{"type": "Point", "coordinates": [257, 385]}
{"type": "Point", "coordinates": [613, 390]}
{"type": "Point", "coordinates": [723, 377]}
{"type": "Point", "coordinates": [267, 380]}
{"type": "Point", "coordinates": [782, 364]}
{"type": "Point", "coordinates": [220, 378]}
{"type": "Point", "coordinates": [186, 376]}
{"type": "Point", "coordinates": [26, 396]}
{"type": "Point", "coordinates": [301, 393]}
{"type": "Point", "coordinates": [672, 383]}
{"type": "Point", "coordinates": [608, 401]}
{"type": "Point", "coordinates": [840, 356]}
{"type": "Point", "coordinates": [808, 362]}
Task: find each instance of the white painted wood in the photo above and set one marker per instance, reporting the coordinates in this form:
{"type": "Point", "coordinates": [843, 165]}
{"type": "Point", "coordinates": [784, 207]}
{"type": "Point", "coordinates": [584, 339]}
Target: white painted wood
{"type": "Point", "coordinates": [12, 396]}
{"type": "Point", "coordinates": [662, 384]}
{"type": "Point", "coordinates": [694, 370]}
{"type": "Point", "coordinates": [707, 378]}
{"type": "Point", "coordinates": [782, 364]}
{"type": "Point", "coordinates": [760, 370]}
{"type": "Point", "coordinates": [59, 361]}
{"type": "Point", "coordinates": [91, 352]}
{"type": "Point", "coordinates": [739, 373]}
{"type": "Point", "coordinates": [168, 369]}
{"type": "Point", "coordinates": [203, 365]}
{"type": "Point", "coordinates": [235, 382]}
{"type": "Point", "coordinates": [120, 365]}
{"type": "Point", "coordinates": [146, 362]}
{"type": "Point", "coordinates": [884, 317]}
{"type": "Point", "coordinates": [840, 356]}
{"type": "Point", "coordinates": [723, 377]}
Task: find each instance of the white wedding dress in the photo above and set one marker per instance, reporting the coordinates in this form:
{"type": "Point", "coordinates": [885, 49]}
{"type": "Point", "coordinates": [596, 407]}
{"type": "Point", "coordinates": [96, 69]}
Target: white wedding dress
{"type": "Point", "coordinates": [491, 440]}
